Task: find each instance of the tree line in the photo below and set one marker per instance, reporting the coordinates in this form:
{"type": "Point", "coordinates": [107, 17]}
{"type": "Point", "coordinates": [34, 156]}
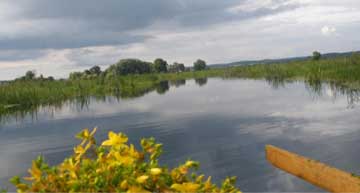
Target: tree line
{"type": "Point", "coordinates": [136, 66]}
{"type": "Point", "coordinates": [31, 75]}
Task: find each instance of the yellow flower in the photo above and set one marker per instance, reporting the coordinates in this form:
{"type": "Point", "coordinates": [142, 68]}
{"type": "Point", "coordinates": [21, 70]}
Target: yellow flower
{"type": "Point", "coordinates": [70, 166]}
{"type": "Point", "coordinates": [135, 189]}
{"type": "Point", "coordinates": [124, 184]}
{"type": "Point", "coordinates": [79, 152]}
{"type": "Point", "coordinates": [116, 161]}
{"type": "Point", "coordinates": [22, 187]}
{"type": "Point", "coordinates": [190, 163]}
{"type": "Point", "coordinates": [200, 178]}
{"type": "Point", "coordinates": [186, 187]}
{"type": "Point", "coordinates": [79, 149]}
{"type": "Point", "coordinates": [85, 135]}
{"type": "Point", "coordinates": [155, 171]}
{"type": "Point", "coordinates": [132, 152]}
{"type": "Point", "coordinates": [126, 160]}
{"type": "Point", "coordinates": [142, 179]}
{"type": "Point", "coordinates": [207, 184]}
{"type": "Point", "coordinates": [35, 172]}
{"type": "Point", "coordinates": [115, 140]}
{"type": "Point", "coordinates": [183, 170]}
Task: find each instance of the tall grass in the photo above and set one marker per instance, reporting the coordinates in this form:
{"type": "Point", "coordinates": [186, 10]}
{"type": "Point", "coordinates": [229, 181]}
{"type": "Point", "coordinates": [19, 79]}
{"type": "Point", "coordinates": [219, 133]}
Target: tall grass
{"type": "Point", "coordinates": [345, 69]}
{"type": "Point", "coordinates": [30, 94]}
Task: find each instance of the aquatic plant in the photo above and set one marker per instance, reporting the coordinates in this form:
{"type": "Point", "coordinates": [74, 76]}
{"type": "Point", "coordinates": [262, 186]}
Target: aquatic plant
{"type": "Point", "coordinates": [344, 69]}
{"type": "Point", "coordinates": [116, 166]}
{"type": "Point", "coordinates": [27, 95]}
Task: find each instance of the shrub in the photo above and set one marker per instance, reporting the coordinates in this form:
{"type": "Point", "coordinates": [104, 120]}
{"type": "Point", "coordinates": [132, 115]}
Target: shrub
{"type": "Point", "coordinates": [316, 55]}
{"type": "Point", "coordinates": [130, 66]}
{"type": "Point", "coordinates": [177, 67]}
{"type": "Point", "coordinates": [159, 65]}
{"type": "Point", "coordinates": [115, 166]}
{"type": "Point", "coordinates": [199, 65]}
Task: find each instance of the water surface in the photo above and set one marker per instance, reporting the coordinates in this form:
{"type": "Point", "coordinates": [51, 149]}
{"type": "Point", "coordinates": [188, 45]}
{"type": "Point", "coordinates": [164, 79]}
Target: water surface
{"type": "Point", "coordinates": [224, 124]}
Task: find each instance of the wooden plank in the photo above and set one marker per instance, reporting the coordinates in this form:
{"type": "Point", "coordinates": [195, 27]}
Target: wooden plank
{"type": "Point", "coordinates": [314, 172]}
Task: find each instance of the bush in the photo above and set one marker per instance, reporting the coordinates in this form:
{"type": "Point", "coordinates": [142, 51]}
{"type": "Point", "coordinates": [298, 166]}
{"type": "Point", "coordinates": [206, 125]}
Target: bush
{"type": "Point", "coordinates": [176, 67]}
{"type": "Point", "coordinates": [159, 65]}
{"type": "Point", "coordinates": [130, 66]}
{"type": "Point", "coordinates": [316, 55]}
{"type": "Point", "coordinates": [115, 166]}
{"type": "Point", "coordinates": [199, 65]}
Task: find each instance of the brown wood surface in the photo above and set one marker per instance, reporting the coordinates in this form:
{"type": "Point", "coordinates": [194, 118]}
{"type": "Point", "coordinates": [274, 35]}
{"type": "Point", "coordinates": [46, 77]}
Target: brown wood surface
{"type": "Point", "coordinates": [314, 172]}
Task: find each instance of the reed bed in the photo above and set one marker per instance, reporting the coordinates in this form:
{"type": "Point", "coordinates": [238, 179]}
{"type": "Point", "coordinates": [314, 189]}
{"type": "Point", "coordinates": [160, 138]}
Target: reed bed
{"type": "Point", "coordinates": [30, 94]}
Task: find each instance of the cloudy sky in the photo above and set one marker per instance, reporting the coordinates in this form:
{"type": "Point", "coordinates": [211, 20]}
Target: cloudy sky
{"type": "Point", "coordinates": [55, 37]}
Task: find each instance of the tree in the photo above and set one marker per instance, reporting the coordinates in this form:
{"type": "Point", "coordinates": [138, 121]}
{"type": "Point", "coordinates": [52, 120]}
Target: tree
{"type": "Point", "coordinates": [29, 75]}
{"type": "Point", "coordinates": [177, 67]}
{"type": "Point", "coordinates": [87, 72]}
{"type": "Point", "coordinates": [50, 78]}
{"type": "Point", "coordinates": [316, 55]}
{"type": "Point", "coordinates": [75, 75]}
{"type": "Point", "coordinates": [110, 75]}
{"type": "Point", "coordinates": [95, 70]}
{"type": "Point", "coordinates": [159, 65]}
{"type": "Point", "coordinates": [199, 65]}
{"type": "Point", "coordinates": [129, 66]}
{"type": "Point", "coordinates": [181, 67]}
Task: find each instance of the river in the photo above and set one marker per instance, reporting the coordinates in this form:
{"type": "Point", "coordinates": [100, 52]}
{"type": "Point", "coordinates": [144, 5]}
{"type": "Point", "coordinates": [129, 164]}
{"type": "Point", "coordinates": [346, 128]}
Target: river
{"type": "Point", "coordinates": [224, 124]}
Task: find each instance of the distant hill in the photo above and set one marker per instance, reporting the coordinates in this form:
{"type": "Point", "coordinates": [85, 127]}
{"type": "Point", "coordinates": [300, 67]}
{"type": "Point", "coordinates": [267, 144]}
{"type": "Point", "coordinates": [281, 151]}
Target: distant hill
{"type": "Point", "coordinates": [281, 60]}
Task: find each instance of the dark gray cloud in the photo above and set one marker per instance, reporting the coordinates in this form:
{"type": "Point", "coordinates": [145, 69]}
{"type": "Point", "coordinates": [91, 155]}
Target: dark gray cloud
{"type": "Point", "coordinates": [14, 55]}
{"type": "Point", "coordinates": [56, 37]}
{"type": "Point", "coordinates": [83, 23]}
{"type": "Point", "coordinates": [66, 40]}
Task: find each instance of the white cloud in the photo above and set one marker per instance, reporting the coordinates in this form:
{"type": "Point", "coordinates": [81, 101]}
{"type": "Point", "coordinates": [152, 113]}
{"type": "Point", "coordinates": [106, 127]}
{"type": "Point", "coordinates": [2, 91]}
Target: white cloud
{"type": "Point", "coordinates": [327, 31]}
{"type": "Point", "coordinates": [253, 5]}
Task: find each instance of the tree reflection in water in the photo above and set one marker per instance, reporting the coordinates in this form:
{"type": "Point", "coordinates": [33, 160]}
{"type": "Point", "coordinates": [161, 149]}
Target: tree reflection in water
{"type": "Point", "coordinates": [177, 83]}
{"type": "Point", "coordinates": [201, 81]}
{"type": "Point", "coordinates": [316, 88]}
{"type": "Point", "coordinates": [162, 87]}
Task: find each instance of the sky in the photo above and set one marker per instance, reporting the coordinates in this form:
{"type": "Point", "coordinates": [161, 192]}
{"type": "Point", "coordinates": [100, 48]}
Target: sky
{"type": "Point", "coordinates": [56, 37]}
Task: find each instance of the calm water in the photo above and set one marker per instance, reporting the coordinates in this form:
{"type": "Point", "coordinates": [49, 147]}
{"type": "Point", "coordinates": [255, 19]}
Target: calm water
{"type": "Point", "coordinates": [224, 124]}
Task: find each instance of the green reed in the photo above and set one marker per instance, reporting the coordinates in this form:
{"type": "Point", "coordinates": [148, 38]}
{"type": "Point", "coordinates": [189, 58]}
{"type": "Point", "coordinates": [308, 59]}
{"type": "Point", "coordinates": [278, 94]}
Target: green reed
{"type": "Point", "coordinates": [30, 94]}
{"type": "Point", "coordinates": [344, 69]}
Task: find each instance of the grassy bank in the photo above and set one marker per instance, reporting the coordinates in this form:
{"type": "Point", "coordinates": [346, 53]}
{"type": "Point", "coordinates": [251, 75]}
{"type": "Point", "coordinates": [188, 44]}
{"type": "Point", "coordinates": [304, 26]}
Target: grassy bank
{"type": "Point", "coordinates": [26, 95]}
{"type": "Point", "coordinates": [344, 69]}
